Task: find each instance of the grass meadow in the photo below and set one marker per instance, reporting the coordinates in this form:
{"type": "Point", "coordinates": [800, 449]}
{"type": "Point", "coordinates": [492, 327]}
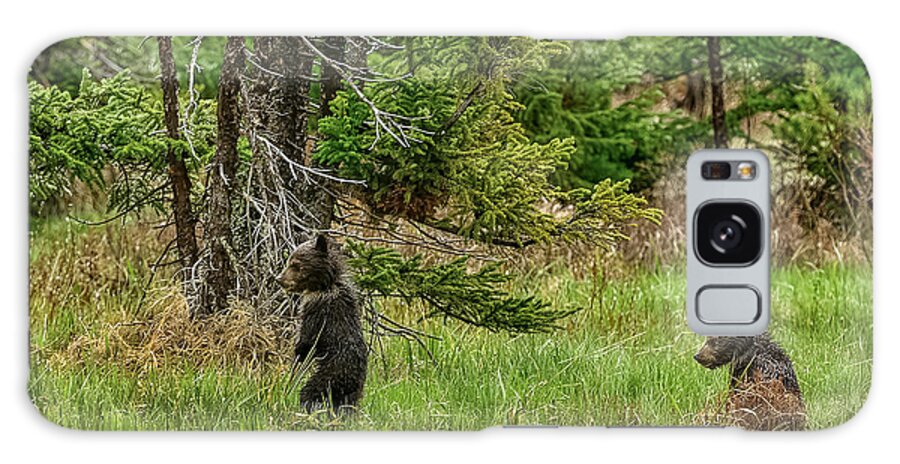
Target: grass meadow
{"type": "Point", "coordinates": [97, 360]}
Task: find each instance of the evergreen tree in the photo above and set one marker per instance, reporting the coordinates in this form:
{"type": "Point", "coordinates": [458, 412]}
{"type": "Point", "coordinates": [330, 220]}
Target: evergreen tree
{"type": "Point", "coordinates": [575, 96]}
{"type": "Point", "coordinates": [441, 151]}
{"type": "Point", "coordinates": [110, 136]}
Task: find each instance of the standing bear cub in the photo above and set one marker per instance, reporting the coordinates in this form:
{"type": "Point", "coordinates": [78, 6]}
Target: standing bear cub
{"type": "Point", "coordinates": [764, 392]}
{"type": "Point", "coordinates": [330, 329]}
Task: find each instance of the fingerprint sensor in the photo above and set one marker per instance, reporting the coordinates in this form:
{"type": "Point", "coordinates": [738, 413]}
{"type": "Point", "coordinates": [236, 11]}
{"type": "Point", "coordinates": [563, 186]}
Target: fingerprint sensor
{"type": "Point", "coordinates": [728, 304]}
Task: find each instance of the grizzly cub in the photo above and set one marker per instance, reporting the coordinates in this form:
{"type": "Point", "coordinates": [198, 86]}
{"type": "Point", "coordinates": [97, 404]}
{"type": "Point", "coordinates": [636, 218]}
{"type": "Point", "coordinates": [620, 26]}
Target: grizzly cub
{"type": "Point", "coordinates": [330, 329]}
{"type": "Point", "coordinates": [764, 394]}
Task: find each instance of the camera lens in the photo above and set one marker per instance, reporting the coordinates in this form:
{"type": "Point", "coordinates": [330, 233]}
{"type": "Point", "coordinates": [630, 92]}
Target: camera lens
{"type": "Point", "coordinates": [715, 170]}
{"type": "Point", "coordinates": [728, 233]}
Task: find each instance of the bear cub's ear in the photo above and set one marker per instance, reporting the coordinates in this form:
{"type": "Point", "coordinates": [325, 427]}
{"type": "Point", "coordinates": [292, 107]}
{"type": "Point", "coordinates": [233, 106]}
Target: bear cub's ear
{"type": "Point", "coordinates": [322, 243]}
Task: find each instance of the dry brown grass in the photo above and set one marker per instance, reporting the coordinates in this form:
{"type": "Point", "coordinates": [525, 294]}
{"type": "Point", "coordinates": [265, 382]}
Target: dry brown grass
{"type": "Point", "coordinates": [167, 336]}
{"type": "Point", "coordinates": [803, 234]}
{"type": "Point", "coordinates": [90, 282]}
{"type": "Point", "coordinates": [77, 264]}
{"type": "Point", "coordinates": [663, 244]}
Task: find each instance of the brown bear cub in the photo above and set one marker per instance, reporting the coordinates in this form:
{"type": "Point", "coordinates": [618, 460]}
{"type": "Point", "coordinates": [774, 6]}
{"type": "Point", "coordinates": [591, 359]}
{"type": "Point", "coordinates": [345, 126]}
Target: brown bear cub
{"type": "Point", "coordinates": [330, 329]}
{"type": "Point", "coordinates": [764, 393]}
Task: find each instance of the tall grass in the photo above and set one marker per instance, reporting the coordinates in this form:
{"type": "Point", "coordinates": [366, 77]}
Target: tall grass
{"type": "Point", "coordinates": [624, 359]}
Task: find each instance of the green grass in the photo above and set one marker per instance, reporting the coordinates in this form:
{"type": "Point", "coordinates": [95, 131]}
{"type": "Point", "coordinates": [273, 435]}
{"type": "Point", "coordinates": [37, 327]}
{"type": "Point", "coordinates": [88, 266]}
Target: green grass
{"type": "Point", "coordinates": [624, 360]}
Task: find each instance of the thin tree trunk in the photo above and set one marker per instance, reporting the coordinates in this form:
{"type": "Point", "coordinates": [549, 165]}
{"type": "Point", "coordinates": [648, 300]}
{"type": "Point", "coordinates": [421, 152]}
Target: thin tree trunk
{"type": "Point", "coordinates": [178, 177]}
{"type": "Point", "coordinates": [330, 80]}
{"type": "Point", "coordinates": [221, 274]}
{"type": "Point", "coordinates": [717, 86]}
{"type": "Point", "coordinates": [319, 198]}
{"type": "Point", "coordinates": [695, 94]}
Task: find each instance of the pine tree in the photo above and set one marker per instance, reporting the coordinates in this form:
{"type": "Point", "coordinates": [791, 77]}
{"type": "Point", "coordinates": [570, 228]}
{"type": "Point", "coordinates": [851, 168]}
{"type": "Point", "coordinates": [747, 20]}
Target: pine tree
{"type": "Point", "coordinates": [445, 161]}
{"type": "Point", "coordinates": [577, 95]}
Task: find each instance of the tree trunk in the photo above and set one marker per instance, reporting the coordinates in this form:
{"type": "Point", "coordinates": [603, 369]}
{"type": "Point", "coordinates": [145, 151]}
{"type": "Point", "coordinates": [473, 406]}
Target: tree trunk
{"type": "Point", "coordinates": [220, 280]}
{"type": "Point", "coordinates": [288, 97]}
{"type": "Point", "coordinates": [319, 197]}
{"type": "Point", "coordinates": [717, 86]}
{"type": "Point", "coordinates": [280, 105]}
{"type": "Point", "coordinates": [695, 94]}
{"type": "Point", "coordinates": [286, 201]}
{"type": "Point", "coordinates": [276, 217]}
{"type": "Point", "coordinates": [178, 177]}
{"type": "Point", "coordinates": [330, 80]}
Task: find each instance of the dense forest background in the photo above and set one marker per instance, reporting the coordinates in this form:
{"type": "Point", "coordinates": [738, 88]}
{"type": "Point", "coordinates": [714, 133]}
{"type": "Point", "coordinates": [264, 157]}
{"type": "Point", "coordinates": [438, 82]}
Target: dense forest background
{"type": "Point", "coordinates": [494, 184]}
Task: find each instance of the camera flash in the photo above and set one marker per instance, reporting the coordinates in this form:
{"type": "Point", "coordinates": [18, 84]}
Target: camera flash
{"type": "Point", "coordinates": [746, 170]}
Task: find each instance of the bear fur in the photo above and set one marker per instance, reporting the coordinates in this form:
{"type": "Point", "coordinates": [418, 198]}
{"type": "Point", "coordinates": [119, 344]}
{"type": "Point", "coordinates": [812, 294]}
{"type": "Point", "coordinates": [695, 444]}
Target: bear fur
{"type": "Point", "coordinates": [764, 393]}
{"type": "Point", "coordinates": [330, 331]}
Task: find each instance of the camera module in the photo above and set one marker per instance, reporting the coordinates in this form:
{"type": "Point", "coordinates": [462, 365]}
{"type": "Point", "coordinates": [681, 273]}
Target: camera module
{"type": "Point", "coordinates": [728, 233]}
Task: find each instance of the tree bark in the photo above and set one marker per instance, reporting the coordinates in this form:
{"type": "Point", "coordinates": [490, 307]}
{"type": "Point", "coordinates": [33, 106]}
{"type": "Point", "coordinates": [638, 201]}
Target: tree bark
{"type": "Point", "coordinates": [185, 235]}
{"type": "Point", "coordinates": [695, 94]}
{"type": "Point", "coordinates": [287, 98]}
{"type": "Point", "coordinates": [717, 87]}
{"type": "Point", "coordinates": [280, 105]}
{"type": "Point", "coordinates": [330, 80]}
{"type": "Point", "coordinates": [220, 280]}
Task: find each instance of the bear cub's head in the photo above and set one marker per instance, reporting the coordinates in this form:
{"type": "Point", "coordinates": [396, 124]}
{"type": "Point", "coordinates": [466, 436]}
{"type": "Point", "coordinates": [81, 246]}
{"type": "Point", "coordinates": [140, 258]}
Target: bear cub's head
{"type": "Point", "coordinates": [719, 351]}
{"type": "Point", "coordinates": [314, 266]}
